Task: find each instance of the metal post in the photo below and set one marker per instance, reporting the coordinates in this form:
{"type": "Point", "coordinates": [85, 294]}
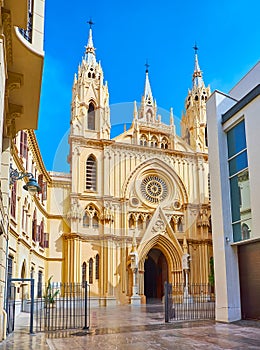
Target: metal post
{"type": "Point", "coordinates": [8, 286]}
{"type": "Point", "coordinates": [32, 305]}
{"type": "Point", "coordinates": [166, 304]}
{"type": "Point", "coordinates": [86, 306]}
{"type": "Point", "coordinates": [7, 293]}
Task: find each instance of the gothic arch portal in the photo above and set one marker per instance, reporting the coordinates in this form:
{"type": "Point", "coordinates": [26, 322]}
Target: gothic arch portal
{"type": "Point", "coordinates": [155, 275]}
{"type": "Point", "coordinates": [172, 254]}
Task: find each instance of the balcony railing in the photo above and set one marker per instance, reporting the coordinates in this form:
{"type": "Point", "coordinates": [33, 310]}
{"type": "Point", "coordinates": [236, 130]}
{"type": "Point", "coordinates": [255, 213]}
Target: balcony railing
{"type": "Point", "coordinates": [27, 33]}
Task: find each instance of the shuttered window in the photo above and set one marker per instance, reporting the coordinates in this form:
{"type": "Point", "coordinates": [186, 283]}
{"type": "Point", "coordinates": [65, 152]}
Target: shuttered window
{"type": "Point", "coordinates": [91, 173]}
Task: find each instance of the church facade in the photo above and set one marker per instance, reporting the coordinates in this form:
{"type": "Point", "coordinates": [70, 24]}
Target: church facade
{"type": "Point", "coordinates": [138, 210]}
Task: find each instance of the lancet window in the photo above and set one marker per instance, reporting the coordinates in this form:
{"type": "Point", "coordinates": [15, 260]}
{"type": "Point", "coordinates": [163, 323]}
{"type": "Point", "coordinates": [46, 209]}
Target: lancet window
{"type": "Point", "coordinates": [154, 142]}
{"type": "Point", "coordinates": [91, 217]}
{"type": "Point", "coordinates": [90, 270]}
{"type": "Point", "coordinates": [91, 173]}
{"type": "Point", "coordinates": [84, 274]}
{"type": "Point", "coordinates": [164, 143]}
{"type": "Point", "coordinates": [97, 267]}
{"type": "Point", "coordinates": [143, 140]}
{"type": "Point", "coordinates": [91, 116]}
{"type": "Point", "coordinates": [131, 222]}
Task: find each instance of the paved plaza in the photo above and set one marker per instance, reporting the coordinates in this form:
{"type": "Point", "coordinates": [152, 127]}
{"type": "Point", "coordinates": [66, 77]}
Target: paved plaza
{"type": "Point", "coordinates": [139, 328]}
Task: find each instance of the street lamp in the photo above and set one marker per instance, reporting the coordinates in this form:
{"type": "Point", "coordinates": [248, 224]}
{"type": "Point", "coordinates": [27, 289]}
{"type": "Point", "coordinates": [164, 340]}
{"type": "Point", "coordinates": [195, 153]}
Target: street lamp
{"type": "Point", "coordinates": [31, 186]}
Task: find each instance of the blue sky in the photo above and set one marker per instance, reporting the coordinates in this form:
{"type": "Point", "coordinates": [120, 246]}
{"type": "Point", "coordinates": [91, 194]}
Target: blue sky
{"type": "Point", "coordinates": [125, 35]}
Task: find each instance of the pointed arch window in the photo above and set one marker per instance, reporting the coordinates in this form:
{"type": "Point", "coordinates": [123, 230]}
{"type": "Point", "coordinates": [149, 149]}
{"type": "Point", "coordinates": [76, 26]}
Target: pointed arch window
{"type": "Point", "coordinates": [90, 270]}
{"type": "Point", "coordinates": [91, 217]}
{"type": "Point", "coordinates": [164, 143]}
{"type": "Point", "coordinates": [34, 226]}
{"type": "Point", "coordinates": [95, 221]}
{"type": "Point", "coordinates": [91, 173]}
{"type": "Point", "coordinates": [42, 234]}
{"type": "Point", "coordinates": [84, 274]}
{"type": "Point", "coordinates": [154, 142]}
{"type": "Point", "coordinates": [23, 145]}
{"type": "Point", "coordinates": [148, 219]}
{"type": "Point", "coordinates": [140, 222]}
{"type": "Point", "coordinates": [97, 267]}
{"type": "Point", "coordinates": [91, 117]}
{"type": "Point", "coordinates": [39, 286]}
{"type": "Point", "coordinates": [131, 222]}
{"type": "Point", "coordinates": [143, 140]}
{"type": "Point", "coordinates": [86, 220]}
{"type": "Point", "coordinates": [180, 225]}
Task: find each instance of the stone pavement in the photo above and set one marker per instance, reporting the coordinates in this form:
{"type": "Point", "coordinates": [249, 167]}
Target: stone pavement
{"type": "Point", "coordinates": [140, 328]}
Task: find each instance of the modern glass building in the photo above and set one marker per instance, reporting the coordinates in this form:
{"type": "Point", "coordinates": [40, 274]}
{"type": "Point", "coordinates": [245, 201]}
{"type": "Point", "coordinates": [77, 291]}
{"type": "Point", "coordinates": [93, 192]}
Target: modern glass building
{"type": "Point", "coordinates": [234, 143]}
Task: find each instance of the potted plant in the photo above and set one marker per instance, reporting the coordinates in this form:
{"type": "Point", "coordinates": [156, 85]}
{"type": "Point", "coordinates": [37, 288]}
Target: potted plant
{"type": "Point", "coordinates": [50, 294]}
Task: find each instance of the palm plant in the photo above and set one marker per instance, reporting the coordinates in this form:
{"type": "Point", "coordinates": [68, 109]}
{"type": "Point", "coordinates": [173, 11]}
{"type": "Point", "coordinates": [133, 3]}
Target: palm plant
{"type": "Point", "coordinates": [50, 293]}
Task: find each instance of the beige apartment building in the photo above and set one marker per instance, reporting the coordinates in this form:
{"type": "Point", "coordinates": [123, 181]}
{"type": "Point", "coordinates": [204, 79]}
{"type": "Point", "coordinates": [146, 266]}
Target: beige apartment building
{"type": "Point", "coordinates": [21, 63]}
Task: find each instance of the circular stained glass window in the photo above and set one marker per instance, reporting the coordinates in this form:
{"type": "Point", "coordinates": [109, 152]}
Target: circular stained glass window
{"type": "Point", "coordinates": [154, 189]}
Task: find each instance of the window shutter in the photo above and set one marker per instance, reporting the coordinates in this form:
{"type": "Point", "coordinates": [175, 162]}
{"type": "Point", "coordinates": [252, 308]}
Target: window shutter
{"type": "Point", "coordinates": [38, 233]}
{"type": "Point", "coordinates": [46, 240]}
{"type": "Point", "coordinates": [44, 191]}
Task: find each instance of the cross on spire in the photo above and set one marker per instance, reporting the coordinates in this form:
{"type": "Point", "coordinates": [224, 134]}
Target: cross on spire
{"type": "Point", "coordinates": [195, 47]}
{"type": "Point", "coordinates": [147, 66]}
{"type": "Point", "coordinates": [91, 23]}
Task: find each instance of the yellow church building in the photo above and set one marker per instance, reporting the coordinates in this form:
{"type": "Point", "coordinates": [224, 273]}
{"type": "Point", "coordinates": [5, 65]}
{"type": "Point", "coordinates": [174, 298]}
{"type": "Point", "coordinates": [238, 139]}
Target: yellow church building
{"type": "Point", "coordinates": [139, 203]}
{"type": "Point", "coordinates": [134, 211]}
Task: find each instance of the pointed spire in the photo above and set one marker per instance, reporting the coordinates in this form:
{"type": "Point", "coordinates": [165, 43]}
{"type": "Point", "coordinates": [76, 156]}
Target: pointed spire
{"type": "Point", "coordinates": [171, 116]}
{"type": "Point", "coordinates": [148, 96]}
{"type": "Point", "coordinates": [90, 55]}
{"type": "Point", "coordinates": [135, 110]}
{"type": "Point", "coordinates": [75, 79]}
{"type": "Point", "coordinates": [197, 74]}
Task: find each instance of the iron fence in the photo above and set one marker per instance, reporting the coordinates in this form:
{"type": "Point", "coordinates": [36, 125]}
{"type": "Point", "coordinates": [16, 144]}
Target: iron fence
{"type": "Point", "coordinates": [192, 302]}
{"type": "Point", "coordinates": [62, 306]}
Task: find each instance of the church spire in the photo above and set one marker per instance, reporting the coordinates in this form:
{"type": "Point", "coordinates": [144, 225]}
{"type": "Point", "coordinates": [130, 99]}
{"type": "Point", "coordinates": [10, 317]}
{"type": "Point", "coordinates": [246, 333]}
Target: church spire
{"type": "Point", "coordinates": [90, 55]}
{"type": "Point", "coordinates": [197, 74]}
{"type": "Point", "coordinates": [148, 96]}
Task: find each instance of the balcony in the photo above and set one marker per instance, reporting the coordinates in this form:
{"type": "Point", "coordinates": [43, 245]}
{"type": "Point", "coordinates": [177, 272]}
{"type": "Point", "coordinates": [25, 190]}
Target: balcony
{"type": "Point", "coordinates": [24, 32]}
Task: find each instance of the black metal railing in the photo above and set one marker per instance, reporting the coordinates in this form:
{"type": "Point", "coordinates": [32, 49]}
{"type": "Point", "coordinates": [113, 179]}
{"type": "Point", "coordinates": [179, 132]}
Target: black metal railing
{"type": "Point", "coordinates": [62, 306]}
{"type": "Point", "coordinates": [192, 302]}
{"type": "Point", "coordinates": [27, 33]}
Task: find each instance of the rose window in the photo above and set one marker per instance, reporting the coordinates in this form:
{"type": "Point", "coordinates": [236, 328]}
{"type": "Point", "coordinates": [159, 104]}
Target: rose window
{"type": "Point", "coordinates": [154, 189]}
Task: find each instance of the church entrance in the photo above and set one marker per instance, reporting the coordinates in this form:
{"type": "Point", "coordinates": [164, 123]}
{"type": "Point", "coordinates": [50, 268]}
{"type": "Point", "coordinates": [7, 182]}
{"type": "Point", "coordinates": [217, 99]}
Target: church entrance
{"type": "Point", "coordinates": [156, 273]}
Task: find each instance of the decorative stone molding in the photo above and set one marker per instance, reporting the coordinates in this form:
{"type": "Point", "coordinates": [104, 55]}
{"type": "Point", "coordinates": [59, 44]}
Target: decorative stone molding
{"type": "Point", "coordinates": [203, 219]}
{"type": "Point", "coordinates": [14, 111]}
{"type": "Point", "coordinates": [159, 226]}
{"type": "Point", "coordinates": [107, 215]}
{"type": "Point", "coordinates": [14, 81]}
{"type": "Point", "coordinates": [7, 29]}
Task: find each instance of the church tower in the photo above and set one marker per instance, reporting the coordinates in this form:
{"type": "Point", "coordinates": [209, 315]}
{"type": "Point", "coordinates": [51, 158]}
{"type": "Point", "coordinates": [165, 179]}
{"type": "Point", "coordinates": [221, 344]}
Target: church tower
{"type": "Point", "coordinates": [194, 122]}
{"type": "Point", "coordinates": [90, 114]}
{"type": "Point", "coordinates": [148, 128]}
{"type": "Point", "coordinates": [147, 112]}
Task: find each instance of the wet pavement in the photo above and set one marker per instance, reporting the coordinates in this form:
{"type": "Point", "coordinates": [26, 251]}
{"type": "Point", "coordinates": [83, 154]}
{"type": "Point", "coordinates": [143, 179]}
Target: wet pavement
{"type": "Point", "coordinates": [137, 327]}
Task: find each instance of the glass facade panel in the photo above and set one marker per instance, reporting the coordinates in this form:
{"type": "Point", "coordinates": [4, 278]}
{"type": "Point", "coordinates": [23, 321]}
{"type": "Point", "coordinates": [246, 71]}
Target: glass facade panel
{"type": "Point", "coordinates": [239, 183]}
{"type": "Point", "coordinates": [238, 163]}
{"type": "Point", "coordinates": [235, 199]}
{"type": "Point", "coordinates": [236, 139]}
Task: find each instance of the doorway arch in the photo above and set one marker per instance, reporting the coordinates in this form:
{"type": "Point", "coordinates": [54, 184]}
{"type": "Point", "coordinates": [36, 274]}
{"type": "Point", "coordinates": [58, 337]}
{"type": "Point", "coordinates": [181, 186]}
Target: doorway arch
{"type": "Point", "coordinates": [155, 274]}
